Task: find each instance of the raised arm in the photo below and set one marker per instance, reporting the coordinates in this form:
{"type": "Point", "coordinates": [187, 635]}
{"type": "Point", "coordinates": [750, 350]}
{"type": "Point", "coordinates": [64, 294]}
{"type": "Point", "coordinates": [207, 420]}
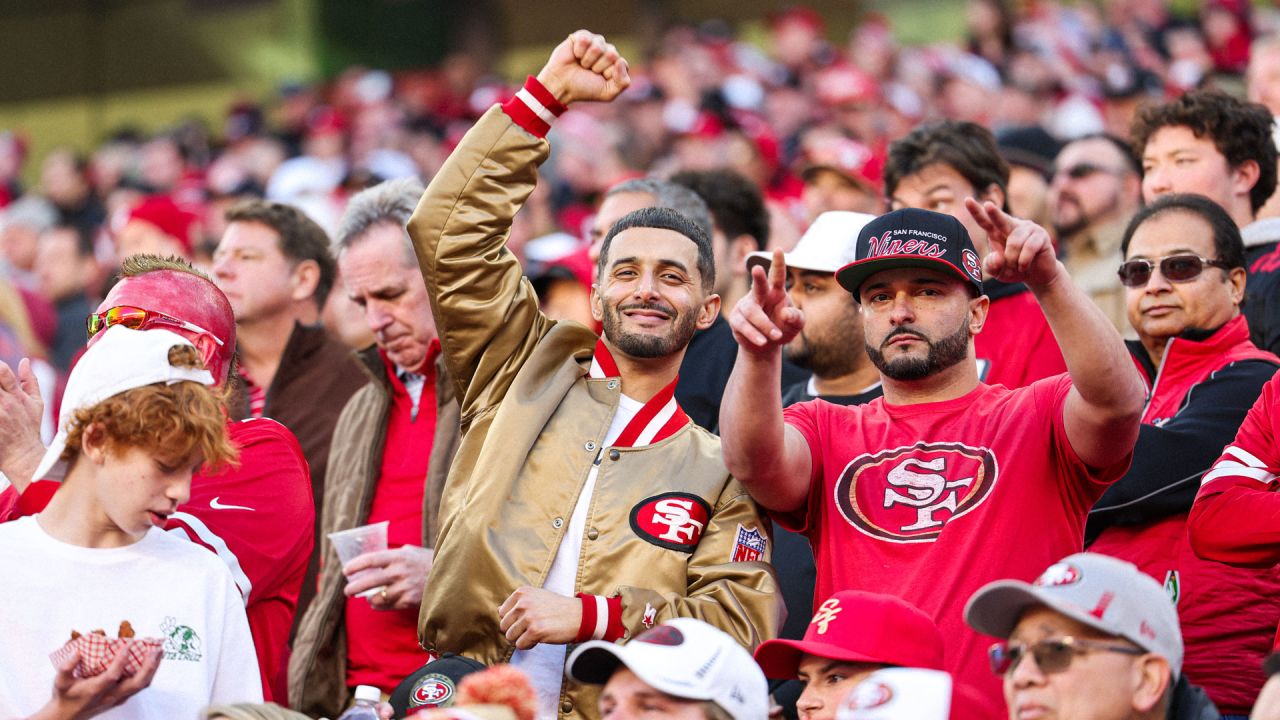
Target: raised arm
{"type": "Point", "coordinates": [1104, 407]}
{"type": "Point", "coordinates": [768, 457]}
{"type": "Point", "coordinates": [486, 312]}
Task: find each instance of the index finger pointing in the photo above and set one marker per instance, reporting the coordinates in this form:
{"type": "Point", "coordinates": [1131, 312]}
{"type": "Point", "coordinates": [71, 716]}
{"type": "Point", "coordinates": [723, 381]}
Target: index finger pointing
{"type": "Point", "coordinates": [778, 272]}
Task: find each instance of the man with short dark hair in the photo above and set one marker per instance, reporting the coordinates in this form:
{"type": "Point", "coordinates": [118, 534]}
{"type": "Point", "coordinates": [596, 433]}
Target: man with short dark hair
{"type": "Point", "coordinates": [583, 503]}
{"type": "Point", "coordinates": [274, 266]}
{"type": "Point", "coordinates": [1214, 145]}
{"type": "Point", "coordinates": [1096, 188]}
{"type": "Point", "coordinates": [937, 166]}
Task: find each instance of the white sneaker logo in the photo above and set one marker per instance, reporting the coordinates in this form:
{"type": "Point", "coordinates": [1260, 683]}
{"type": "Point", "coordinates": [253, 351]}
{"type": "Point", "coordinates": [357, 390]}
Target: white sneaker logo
{"type": "Point", "coordinates": [219, 506]}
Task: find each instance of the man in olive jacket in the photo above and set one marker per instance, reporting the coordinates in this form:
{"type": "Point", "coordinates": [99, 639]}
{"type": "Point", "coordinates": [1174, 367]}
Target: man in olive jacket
{"type": "Point", "coordinates": [583, 504]}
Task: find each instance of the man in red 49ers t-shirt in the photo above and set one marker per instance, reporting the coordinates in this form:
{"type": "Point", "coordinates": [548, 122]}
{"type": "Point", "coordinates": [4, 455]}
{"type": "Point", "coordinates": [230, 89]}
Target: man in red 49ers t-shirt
{"type": "Point", "coordinates": [945, 483]}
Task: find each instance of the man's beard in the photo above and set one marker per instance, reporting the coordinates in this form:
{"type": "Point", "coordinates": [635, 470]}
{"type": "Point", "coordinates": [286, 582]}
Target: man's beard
{"type": "Point", "coordinates": [942, 354]}
{"type": "Point", "coordinates": [824, 359]}
{"type": "Point", "coordinates": [640, 345]}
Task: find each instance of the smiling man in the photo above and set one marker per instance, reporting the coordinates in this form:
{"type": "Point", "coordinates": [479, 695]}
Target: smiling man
{"type": "Point", "coordinates": [583, 504]}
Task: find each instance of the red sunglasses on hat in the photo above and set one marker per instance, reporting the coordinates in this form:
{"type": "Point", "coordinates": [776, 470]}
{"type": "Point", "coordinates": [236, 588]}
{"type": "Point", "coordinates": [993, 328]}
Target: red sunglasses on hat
{"type": "Point", "coordinates": [136, 318]}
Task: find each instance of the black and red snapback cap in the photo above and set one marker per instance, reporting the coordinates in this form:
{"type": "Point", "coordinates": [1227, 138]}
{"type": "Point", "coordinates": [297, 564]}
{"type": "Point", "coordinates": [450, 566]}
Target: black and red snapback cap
{"type": "Point", "coordinates": [912, 237]}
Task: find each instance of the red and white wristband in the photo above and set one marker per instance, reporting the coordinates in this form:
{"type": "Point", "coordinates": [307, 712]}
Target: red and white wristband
{"type": "Point", "coordinates": [534, 108]}
{"type": "Point", "coordinates": [601, 618]}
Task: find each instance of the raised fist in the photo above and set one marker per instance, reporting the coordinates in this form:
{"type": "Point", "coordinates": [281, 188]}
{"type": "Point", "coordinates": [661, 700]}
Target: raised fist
{"type": "Point", "coordinates": [585, 67]}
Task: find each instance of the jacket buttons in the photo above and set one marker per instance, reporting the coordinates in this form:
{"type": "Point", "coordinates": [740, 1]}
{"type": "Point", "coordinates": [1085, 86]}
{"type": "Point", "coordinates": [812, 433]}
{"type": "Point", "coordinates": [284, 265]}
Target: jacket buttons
{"type": "Point", "coordinates": [566, 707]}
{"type": "Point", "coordinates": [613, 385]}
{"type": "Point", "coordinates": [592, 534]}
{"type": "Point", "coordinates": [614, 454]}
{"type": "Point", "coordinates": [590, 446]}
{"type": "Point", "coordinates": [557, 523]}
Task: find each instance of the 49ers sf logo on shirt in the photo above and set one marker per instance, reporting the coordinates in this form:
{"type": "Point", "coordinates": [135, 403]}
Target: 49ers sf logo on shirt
{"type": "Point", "coordinates": [673, 520]}
{"type": "Point", "coordinates": [907, 495]}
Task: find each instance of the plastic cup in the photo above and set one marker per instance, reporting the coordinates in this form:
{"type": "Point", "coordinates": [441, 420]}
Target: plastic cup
{"type": "Point", "coordinates": [358, 541]}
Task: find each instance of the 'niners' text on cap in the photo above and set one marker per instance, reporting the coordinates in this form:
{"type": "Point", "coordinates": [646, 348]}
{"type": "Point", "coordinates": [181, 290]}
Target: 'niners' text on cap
{"type": "Point", "coordinates": [912, 238]}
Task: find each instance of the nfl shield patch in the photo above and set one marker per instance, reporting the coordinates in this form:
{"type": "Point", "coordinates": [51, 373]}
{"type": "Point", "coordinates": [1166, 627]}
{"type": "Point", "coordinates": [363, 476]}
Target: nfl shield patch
{"type": "Point", "coordinates": [750, 545]}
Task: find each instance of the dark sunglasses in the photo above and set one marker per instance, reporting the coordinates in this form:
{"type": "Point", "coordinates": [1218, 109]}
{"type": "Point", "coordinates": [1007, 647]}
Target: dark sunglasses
{"type": "Point", "coordinates": [1051, 656]}
{"type": "Point", "coordinates": [1175, 268]}
{"type": "Point", "coordinates": [136, 318]}
{"type": "Point", "coordinates": [1081, 171]}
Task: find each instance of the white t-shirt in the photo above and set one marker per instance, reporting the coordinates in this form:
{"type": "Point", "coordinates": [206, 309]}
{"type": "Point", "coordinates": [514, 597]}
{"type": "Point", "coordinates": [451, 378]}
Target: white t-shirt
{"type": "Point", "coordinates": [544, 663]}
{"type": "Point", "coordinates": [165, 587]}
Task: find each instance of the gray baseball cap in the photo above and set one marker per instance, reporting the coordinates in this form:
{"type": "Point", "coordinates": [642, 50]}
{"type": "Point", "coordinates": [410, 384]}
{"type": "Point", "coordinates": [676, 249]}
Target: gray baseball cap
{"type": "Point", "coordinates": [1102, 592]}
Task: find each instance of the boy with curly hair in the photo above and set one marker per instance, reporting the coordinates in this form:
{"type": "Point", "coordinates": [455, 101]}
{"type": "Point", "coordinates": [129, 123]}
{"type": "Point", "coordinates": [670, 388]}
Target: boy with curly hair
{"type": "Point", "coordinates": [138, 417]}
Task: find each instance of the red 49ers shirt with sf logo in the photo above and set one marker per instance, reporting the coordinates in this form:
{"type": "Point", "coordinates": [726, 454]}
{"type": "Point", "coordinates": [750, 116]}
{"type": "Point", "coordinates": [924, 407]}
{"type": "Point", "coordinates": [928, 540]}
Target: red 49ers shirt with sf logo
{"type": "Point", "coordinates": [929, 502]}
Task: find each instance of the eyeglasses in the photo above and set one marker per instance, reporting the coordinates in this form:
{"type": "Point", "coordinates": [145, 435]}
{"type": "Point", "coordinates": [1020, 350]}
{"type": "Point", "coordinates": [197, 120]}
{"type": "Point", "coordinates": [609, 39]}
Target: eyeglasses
{"type": "Point", "coordinates": [1083, 170]}
{"type": "Point", "coordinates": [136, 318]}
{"type": "Point", "coordinates": [1175, 268]}
{"type": "Point", "coordinates": [1051, 656]}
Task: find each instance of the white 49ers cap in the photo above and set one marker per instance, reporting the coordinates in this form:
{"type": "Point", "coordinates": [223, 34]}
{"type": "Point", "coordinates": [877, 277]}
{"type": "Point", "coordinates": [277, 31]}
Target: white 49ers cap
{"type": "Point", "coordinates": [122, 359]}
{"type": "Point", "coordinates": [685, 658]}
{"type": "Point", "coordinates": [1102, 592]}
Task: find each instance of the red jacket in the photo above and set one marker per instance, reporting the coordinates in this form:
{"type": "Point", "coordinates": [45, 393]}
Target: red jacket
{"type": "Point", "coordinates": [1198, 398]}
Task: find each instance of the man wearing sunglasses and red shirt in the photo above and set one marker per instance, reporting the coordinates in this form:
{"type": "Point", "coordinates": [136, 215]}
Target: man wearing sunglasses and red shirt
{"type": "Point", "coordinates": [257, 516]}
{"type": "Point", "coordinates": [1091, 639]}
{"type": "Point", "coordinates": [1185, 278]}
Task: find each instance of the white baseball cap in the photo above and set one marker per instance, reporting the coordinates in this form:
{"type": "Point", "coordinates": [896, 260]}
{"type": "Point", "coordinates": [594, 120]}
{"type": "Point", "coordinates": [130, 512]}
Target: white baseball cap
{"type": "Point", "coordinates": [1102, 592]}
{"type": "Point", "coordinates": [120, 360]}
{"type": "Point", "coordinates": [829, 244]}
{"type": "Point", "coordinates": [685, 658]}
{"type": "Point", "coordinates": [899, 694]}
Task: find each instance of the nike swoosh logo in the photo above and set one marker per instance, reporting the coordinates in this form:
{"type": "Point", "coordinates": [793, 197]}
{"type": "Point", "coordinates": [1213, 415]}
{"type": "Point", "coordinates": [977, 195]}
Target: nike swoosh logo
{"type": "Point", "coordinates": [219, 506]}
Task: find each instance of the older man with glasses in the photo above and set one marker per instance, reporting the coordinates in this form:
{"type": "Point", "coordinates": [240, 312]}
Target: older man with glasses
{"type": "Point", "coordinates": [1184, 280]}
{"type": "Point", "coordinates": [1093, 638]}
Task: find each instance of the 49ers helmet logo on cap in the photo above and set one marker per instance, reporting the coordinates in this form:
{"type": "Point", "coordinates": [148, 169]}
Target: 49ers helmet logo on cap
{"type": "Point", "coordinates": [969, 259]}
{"type": "Point", "coordinates": [432, 691]}
{"type": "Point", "coordinates": [908, 494]}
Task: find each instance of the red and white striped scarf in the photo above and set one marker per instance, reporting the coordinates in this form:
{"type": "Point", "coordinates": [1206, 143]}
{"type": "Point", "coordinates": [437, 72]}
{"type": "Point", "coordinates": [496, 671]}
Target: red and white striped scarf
{"type": "Point", "coordinates": [660, 417]}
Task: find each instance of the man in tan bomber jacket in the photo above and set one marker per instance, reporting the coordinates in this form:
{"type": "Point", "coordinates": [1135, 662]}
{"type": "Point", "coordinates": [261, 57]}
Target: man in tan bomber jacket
{"type": "Point", "coordinates": [582, 504]}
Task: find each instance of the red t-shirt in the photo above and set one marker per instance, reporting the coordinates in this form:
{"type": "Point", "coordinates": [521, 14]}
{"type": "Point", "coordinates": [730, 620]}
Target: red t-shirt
{"type": "Point", "coordinates": [382, 645]}
{"type": "Point", "coordinates": [930, 502]}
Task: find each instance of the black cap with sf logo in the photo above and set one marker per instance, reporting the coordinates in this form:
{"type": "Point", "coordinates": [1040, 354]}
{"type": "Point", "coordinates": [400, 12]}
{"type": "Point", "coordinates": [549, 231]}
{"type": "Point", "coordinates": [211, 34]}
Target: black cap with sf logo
{"type": "Point", "coordinates": [912, 238]}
